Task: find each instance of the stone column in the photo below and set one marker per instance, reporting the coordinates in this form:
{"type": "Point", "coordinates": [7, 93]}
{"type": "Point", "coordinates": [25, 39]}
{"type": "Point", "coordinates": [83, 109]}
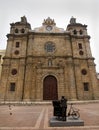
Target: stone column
{"type": "Point", "coordinates": [61, 85]}
{"type": "Point", "coordinates": [30, 45]}
{"type": "Point", "coordinates": [9, 47]}
{"type": "Point", "coordinates": [93, 78]}
{"type": "Point", "coordinates": [28, 79]}
{"type": "Point", "coordinates": [20, 81]}
{"type": "Point", "coordinates": [38, 85]}
{"type": "Point", "coordinates": [66, 83]}
{"type": "Point", "coordinates": [28, 69]}
{"type": "Point", "coordinates": [87, 47]}
{"type": "Point", "coordinates": [71, 80]}
{"type": "Point", "coordinates": [4, 80]}
{"type": "Point", "coordinates": [33, 84]}
{"type": "Point", "coordinates": [78, 80]}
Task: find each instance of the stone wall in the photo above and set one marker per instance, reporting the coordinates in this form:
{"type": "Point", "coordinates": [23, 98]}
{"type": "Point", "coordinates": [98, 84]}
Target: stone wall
{"type": "Point", "coordinates": [31, 56]}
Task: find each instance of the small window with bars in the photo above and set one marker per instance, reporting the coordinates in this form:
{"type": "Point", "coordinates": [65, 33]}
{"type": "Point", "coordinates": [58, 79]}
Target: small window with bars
{"type": "Point", "coordinates": [86, 86]}
{"type": "Point", "coordinates": [80, 45]}
{"type": "Point", "coordinates": [12, 87]}
{"type": "Point", "coordinates": [17, 44]}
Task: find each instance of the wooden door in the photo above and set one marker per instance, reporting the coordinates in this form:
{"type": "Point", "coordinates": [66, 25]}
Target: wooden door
{"type": "Point", "coordinates": [50, 88]}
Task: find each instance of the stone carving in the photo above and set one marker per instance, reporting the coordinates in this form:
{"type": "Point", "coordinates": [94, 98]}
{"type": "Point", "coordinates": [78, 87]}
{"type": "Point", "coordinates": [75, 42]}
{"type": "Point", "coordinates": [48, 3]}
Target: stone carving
{"type": "Point", "coordinates": [49, 21]}
{"type": "Point", "coordinates": [72, 20]}
{"type": "Point", "coordinates": [23, 19]}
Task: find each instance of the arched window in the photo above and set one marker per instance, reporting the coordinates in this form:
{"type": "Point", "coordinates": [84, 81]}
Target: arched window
{"type": "Point", "coordinates": [16, 30]}
{"type": "Point", "coordinates": [22, 30]}
{"type": "Point", "coordinates": [81, 32]}
{"type": "Point", "coordinates": [80, 45]}
{"type": "Point", "coordinates": [75, 32]}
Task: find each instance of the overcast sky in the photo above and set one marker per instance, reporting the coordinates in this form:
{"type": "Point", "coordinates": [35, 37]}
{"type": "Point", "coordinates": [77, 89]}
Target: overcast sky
{"type": "Point", "coordinates": [85, 12]}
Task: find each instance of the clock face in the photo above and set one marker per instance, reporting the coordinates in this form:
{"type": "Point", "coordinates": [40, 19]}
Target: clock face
{"type": "Point", "coordinates": [49, 28]}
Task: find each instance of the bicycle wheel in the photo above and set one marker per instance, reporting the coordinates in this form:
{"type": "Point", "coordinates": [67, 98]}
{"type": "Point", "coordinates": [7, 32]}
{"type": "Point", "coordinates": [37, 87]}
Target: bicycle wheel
{"type": "Point", "coordinates": [75, 114]}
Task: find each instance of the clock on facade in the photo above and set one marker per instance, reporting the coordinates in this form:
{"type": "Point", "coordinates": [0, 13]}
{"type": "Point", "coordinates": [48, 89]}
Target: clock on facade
{"type": "Point", "coordinates": [49, 28]}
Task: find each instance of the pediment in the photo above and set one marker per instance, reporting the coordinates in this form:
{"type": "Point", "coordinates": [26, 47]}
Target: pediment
{"type": "Point", "coordinates": [49, 26]}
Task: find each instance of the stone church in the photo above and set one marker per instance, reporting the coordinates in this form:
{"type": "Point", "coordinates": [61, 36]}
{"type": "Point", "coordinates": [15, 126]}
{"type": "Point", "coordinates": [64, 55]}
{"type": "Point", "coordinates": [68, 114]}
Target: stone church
{"type": "Point", "coordinates": [48, 62]}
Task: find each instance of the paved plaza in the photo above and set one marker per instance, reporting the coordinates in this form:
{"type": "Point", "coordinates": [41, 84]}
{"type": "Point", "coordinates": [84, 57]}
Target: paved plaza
{"type": "Point", "coordinates": [37, 116]}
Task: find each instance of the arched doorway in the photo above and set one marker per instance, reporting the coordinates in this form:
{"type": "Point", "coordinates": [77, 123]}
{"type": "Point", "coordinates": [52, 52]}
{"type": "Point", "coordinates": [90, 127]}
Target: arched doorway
{"type": "Point", "coordinates": [50, 91]}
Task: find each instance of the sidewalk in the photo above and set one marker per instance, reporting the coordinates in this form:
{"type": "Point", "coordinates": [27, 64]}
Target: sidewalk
{"type": "Point", "coordinates": [45, 102]}
{"type": "Point", "coordinates": [36, 116]}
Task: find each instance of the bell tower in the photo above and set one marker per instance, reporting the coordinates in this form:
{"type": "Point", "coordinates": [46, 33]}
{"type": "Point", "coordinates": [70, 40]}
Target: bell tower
{"type": "Point", "coordinates": [13, 71]}
{"type": "Point", "coordinates": [84, 66]}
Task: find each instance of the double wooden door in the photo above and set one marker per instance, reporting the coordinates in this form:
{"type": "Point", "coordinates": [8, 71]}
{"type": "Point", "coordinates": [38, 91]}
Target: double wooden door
{"type": "Point", "coordinates": [50, 91]}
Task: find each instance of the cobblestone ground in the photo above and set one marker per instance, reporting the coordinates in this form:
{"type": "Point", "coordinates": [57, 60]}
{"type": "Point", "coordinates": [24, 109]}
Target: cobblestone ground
{"type": "Point", "coordinates": [36, 117]}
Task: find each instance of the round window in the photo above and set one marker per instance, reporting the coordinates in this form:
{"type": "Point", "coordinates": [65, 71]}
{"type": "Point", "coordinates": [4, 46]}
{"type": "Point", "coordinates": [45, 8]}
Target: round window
{"type": "Point", "coordinates": [16, 52]}
{"type": "Point", "coordinates": [22, 31]}
{"type": "Point", "coordinates": [81, 52]}
{"type": "Point", "coordinates": [84, 71]}
{"type": "Point", "coordinates": [14, 72]}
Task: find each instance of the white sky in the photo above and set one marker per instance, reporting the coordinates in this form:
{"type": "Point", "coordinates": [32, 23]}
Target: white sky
{"type": "Point", "coordinates": [85, 12]}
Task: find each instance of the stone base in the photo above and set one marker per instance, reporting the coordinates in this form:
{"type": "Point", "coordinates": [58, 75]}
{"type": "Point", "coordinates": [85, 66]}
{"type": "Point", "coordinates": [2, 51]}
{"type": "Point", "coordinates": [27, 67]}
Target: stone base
{"type": "Point", "coordinates": [69, 122]}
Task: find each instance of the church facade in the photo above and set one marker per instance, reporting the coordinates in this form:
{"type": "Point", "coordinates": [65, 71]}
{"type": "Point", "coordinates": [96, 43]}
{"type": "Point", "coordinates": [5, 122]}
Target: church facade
{"type": "Point", "coordinates": [48, 62]}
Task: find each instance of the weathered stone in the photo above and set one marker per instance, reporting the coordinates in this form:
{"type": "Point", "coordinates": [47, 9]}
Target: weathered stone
{"type": "Point", "coordinates": [50, 53]}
